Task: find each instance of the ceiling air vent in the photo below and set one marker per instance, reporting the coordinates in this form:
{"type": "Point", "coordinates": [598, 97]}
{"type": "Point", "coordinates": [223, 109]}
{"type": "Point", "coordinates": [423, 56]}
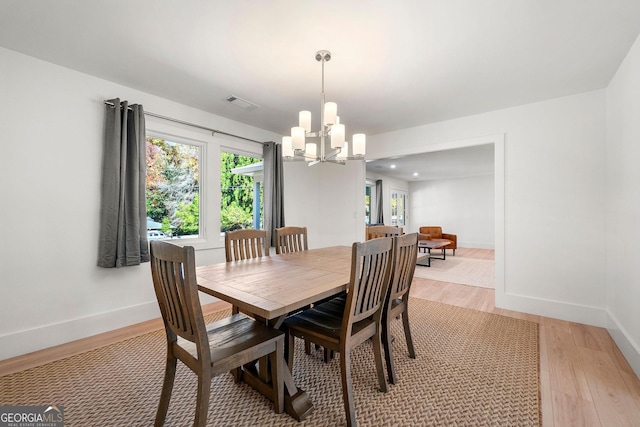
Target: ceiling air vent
{"type": "Point", "coordinates": [241, 103]}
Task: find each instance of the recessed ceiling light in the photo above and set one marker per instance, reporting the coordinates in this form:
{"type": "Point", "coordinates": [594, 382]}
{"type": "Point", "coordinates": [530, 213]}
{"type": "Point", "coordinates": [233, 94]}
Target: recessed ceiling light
{"type": "Point", "coordinates": [392, 166]}
{"type": "Point", "coordinates": [415, 174]}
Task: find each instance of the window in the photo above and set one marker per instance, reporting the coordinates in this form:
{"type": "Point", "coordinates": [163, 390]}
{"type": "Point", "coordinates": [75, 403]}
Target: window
{"type": "Point", "coordinates": [240, 191]}
{"type": "Point", "coordinates": [398, 207]}
{"type": "Point", "coordinates": [172, 189]}
{"type": "Point", "coordinates": [186, 168]}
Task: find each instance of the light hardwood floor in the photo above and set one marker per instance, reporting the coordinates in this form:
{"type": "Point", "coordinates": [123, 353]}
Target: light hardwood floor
{"type": "Point", "coordinates": [585, 380]}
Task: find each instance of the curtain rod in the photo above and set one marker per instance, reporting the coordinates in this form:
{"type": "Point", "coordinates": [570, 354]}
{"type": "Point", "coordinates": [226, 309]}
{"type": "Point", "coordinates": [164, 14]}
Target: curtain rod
{"type": "Point", "coordinates": [213, 131]}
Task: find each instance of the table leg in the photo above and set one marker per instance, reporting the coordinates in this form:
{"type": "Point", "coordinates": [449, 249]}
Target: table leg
{"type": "Point", "coordinates": [296, 401]}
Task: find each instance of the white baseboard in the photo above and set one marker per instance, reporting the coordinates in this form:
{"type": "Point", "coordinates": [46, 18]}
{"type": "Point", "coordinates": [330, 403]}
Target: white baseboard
{"type": "Point", "coordinates": [629, 348]}
{"type": "Point", "coordinates": [29, 340]}
{"type": "Point", "coordinates": [476, 245]}
{"type": "Point", "coordinates": [594, 316]}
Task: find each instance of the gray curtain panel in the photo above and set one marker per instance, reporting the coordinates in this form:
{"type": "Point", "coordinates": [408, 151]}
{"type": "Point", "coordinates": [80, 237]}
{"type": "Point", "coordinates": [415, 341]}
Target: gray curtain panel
{"type": "Point", "coordinates": [379, 210]}
{"type": "Point", "coordinates": [273, 188]}
{"type": "Point", "coordinates": [123, 211]}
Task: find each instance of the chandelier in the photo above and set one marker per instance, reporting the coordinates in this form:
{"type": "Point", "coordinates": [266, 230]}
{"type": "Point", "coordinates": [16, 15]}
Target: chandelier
{"type": "Point", "coordinates": [303, 144]}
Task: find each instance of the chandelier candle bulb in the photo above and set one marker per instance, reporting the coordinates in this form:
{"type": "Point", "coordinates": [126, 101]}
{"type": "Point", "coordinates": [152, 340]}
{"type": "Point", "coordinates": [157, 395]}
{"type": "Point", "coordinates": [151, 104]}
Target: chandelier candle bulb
{"type": "Point", "coordinates": [337, 135]}
{"type": "Point", "coordinates": [304, 120]}
{"type": "Point", "coordinates": [297, 138]}
{"type": "Point", "coordinates": [359, 142]}
{"type": "Point", "coordinates": [330, 113]}
{"type": "Point", "coordinates": [287, 147]}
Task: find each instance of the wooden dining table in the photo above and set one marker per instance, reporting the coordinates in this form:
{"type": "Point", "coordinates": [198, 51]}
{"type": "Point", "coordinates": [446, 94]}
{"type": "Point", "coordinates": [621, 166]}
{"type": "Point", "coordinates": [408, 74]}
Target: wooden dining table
{"type": "Point", "coordinates": [268, 289]}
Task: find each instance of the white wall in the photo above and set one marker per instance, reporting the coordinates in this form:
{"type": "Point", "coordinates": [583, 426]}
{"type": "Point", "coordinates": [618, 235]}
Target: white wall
{"type": "Point", "coordinates": [462, 206]}
{"type": "Point", "coordinates": [553, 199]}
{"type": "Point", "coordinates": [50, 168]}
{"type": "Point", "coordinates": [623, 206]}
{"type": "Point", "coordinates": [328, 199]}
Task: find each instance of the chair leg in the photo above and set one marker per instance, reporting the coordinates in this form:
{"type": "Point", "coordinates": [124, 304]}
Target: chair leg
{"type": "Point", "coordinates": [202, 399]}
{"type": "Point", "coordinates": [388, 356]}
{"type": "Point", "coordinates": [277, 377]}
{"type": "Point", "coordinates": [328, 355]}
{"type": "Point", "coordinates": [167, 388]}
{"type": "Point", "coordinates": [347, 387]}
{"type": "Point", "coordinates": [377, 353]}
{"type": "Point", "coordinates": [307, 346]}
{"type": "Point", "coordinates": [236, 375]}
{"type": "Point", "coordinates": [407, 333]}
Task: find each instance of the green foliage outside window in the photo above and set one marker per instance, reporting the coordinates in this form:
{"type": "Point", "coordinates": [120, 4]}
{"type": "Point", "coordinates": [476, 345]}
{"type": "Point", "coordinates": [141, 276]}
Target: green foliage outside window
{"type": "Point", "coordinates": [236, 191]}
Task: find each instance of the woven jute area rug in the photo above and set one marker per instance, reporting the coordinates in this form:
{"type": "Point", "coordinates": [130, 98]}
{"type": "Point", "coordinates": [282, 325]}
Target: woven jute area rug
{"type": "Point", "coordinates": [472, 369]}
{"type": "Point", "coordinates": [461, 270]}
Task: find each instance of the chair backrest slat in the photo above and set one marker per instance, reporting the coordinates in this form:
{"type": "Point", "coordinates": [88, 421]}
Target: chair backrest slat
{"type": "Point", "coordinates": [173, 270]}
{"type": "Point", "coordinates": [370, 275]}
{"type": "Point", "coordinates": [405, 253]}
{"type": "Point", "coordinates": [245, 244]}
{"type": "Point", "coordinates": [173, 300]}
{"type": "Point", "coordinates": [291, 239]}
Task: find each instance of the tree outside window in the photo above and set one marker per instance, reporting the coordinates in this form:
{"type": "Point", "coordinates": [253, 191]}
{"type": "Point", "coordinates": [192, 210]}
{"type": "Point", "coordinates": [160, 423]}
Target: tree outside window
{"type": "Point", "coordinates": [172, 188]}
{"type": "Point", "coordinates": [238, 192]}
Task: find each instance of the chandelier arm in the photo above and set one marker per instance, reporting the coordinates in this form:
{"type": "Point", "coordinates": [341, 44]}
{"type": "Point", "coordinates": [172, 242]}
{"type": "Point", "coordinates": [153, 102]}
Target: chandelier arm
{"type": "Point", "coordinates": [332, 154]}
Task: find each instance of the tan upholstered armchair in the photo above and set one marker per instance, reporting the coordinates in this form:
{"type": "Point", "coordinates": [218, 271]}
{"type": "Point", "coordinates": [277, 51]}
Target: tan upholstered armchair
{"type": "Point", "coordinates": [435, 233]}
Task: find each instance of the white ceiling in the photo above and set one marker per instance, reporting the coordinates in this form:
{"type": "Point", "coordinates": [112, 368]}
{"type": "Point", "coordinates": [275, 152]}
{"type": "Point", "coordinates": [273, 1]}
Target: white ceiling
{"type": "Point", "coordinates": [394, 64]}
{"type": "Point", "coordinates": [448, 164]}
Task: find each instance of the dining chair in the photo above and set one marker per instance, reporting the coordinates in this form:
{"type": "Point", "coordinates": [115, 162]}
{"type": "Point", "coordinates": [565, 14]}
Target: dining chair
{"type": "Point", "coordinates": [208, 350]}
{"type": "Point", "coordinates": [247, 243]}
{"type": "Point", "coordinates": [405, 251]}
{"type": "Point", "coordinates": [291, 239]}
{"type": "Point", "coordinates": [376, 231]}
{"type": "Point", "coordinates": [341, 324]}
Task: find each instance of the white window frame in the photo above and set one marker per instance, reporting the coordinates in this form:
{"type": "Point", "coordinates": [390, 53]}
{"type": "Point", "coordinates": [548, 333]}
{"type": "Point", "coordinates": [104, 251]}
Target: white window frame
{"type": "Point", "coordinates": [210, 148]}
{"type": "Point", "coordinates": [399, 192]}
